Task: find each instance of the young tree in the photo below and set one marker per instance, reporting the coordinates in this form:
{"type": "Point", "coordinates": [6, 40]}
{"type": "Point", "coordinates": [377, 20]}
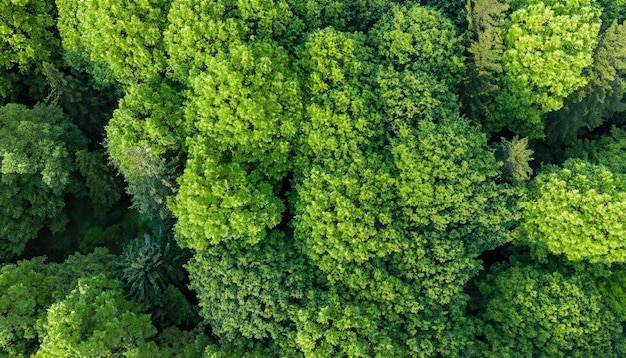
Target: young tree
{"type": "Point", "coordinates": [37, 149]}
{"type": "Point", "coordinates": [486, 20]}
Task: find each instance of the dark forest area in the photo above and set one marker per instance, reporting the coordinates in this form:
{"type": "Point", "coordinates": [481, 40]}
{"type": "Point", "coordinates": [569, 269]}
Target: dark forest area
{"type": "Point", "coordinates": [312, 178]}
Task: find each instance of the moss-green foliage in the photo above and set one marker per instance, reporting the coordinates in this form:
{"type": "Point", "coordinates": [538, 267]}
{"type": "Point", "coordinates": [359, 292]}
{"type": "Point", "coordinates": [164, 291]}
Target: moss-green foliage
{"type": "Point", "coordinates": [575, 210]}
{"type": "Point", "coordinates": [144, 139]}
{"type": "Point", "coordinates": [27, 40]}
{"type": "Point", "coordinates": [530, 310]}
{"type": "Point", "coordinates": [95, 320]}
{"type": "Point", "coordinates": [612, 10]}
{"type": "Point", "coordinates": [37, 156]}
{"type": "Point", "coordinates": [103, 188]}
{"type": "Point", "coordinates": [418, 39]}
{"type": "Point", "coordinates": [334, 199]}
{"type": "Point", "coordinates": [599, 100]}
{"type": "Point", "coordinates": [252, 291]}
{"type": "Point", "coordinates": [31, 286]}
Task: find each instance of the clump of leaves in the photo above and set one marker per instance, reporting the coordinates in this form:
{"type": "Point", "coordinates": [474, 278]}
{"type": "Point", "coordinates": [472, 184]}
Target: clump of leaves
{"type": "Point", "coordinates": [515, 156]}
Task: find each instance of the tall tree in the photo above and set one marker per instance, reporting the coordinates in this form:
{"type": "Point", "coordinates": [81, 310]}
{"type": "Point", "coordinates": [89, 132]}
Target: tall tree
{"type": "Point", "coordinates": [31, 286]}
{"type": "Point", "coordinates": [486, 20]}
{"type": "Point", "coordinates": [130, 31]}
{"type": "Point", "coordinates": [95, 320]}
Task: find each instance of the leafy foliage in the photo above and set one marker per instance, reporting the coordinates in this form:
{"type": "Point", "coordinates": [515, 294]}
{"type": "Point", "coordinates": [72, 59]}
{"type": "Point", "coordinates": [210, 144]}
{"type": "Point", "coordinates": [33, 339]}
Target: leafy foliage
{"type": "Point", "coordinates": [531, 310]}
{"type": "Point", "coordinates": [548, 45]}
{"type": "Point", "coordinates": [608, 150]}
{"type": "Point", "coordinates": [95, 320]}
{"type": "Point", "coordinates": [486, 20]}
{"type": "Point", "coordinates": [575, 211]}
{"type": "Point", "coordinates": [27, 40]}
{"type": "Point", "coordinates": [148, 267]}
{"type": "Point", "coordinates": [31, 286]}
{"type": "Point", "coordinates": [102, 186]}
{"type": "Point", "coordinates": [597, 101]}
{"type": "Point", "coordinates": [36, 153]}
{"type": "Point", "coordinates": [515, 156]}
{"type": "Point", "coordinates": [129, 30]}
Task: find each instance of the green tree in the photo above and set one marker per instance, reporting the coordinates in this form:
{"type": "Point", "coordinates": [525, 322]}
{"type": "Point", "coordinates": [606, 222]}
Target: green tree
{"type": "Point", "coordinates": [145, 138]}
{"type": "Point", "coordinates": [530, 311]}
{"type": "Point", "coordinates": [27, 40]}
{"type": "Point", "coordinates": [574, 210]}
{"type": "Point", "coordinates": [37, 149]}
{"type": "Point", "coordinates": [548, 45]}
{"type": "Point", "coordinates": [95, 320]}
{"type": "Point", "coordinates": [515, 157]}
{"type": "Point", "coordinates": [31, 286]}
{"type": "Point", "coordinates": [103, 188]}
{"type": "Point", "coordinates": [130, 31]}
{"type": "Point", "coordinates": [608, 150]}
{"type": "Point", "coordinates": [420, 39]}
{"type": "Point", "coordinates": [384, 154]}
{"type": "Point", "coordinates": [245, 110]}
{"type": "Point", "coordinates": [198, 31]}
{"type": "Point", "coordinates": [486, 21]}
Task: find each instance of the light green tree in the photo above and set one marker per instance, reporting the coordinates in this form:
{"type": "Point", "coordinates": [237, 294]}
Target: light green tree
{"type": "Point", "coordinates": [130, 31]}
{"type": "Point", "coordinates": [31, 286]}
{"type": "Point", "coordinates": [575, 210]}
{"type": "Point", "coordinates": [601, 98]}
{"type": "Point", "coordinates": [27, 40]}
{"type": "Point", "coordinates": [95, 320]}
{"type": "Point", "coordinates": [548, 45]}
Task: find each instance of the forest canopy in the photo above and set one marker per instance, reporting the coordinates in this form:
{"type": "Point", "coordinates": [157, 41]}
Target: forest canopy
{"type": "Point", "coordinates": [319, 178]}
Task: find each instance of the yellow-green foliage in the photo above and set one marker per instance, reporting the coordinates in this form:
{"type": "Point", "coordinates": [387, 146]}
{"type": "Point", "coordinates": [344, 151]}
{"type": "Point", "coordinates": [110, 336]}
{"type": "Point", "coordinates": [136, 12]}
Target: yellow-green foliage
{"type": "Point", "coordinates": [576, 211]}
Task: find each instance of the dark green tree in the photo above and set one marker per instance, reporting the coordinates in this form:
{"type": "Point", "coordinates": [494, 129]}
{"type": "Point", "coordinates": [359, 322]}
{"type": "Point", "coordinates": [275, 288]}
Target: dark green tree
{"type": "Point", "coordinates": [515, 156]}
{"type": "Point", "coordinates": [37, 149]}
{"type": "Point", "coordinates": [607, 150]}
{"type": "Point", "coordinates": [486, 21]}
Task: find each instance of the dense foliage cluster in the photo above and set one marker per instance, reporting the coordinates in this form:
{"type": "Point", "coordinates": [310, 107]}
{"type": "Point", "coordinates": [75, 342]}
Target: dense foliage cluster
{"type": "Point", "coordinates": [319, 178]}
